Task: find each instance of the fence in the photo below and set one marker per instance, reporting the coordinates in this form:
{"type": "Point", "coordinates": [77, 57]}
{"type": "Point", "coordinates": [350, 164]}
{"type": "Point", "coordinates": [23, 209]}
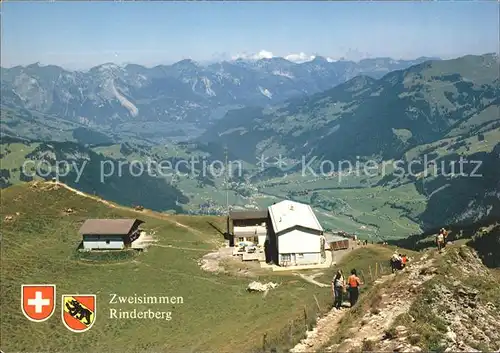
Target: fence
{"type": "Point", "coordinates": [295, 329]}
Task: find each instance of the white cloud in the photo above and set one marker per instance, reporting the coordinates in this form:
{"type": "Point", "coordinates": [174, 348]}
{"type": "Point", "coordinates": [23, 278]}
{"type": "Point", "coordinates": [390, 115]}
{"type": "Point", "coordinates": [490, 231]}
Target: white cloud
{"type": "Point", "coordinates": [303, 57]}
{"type": "Point", "coordinates": [300, 57]}
{"type": "Point", "coordinates": [263, 54]}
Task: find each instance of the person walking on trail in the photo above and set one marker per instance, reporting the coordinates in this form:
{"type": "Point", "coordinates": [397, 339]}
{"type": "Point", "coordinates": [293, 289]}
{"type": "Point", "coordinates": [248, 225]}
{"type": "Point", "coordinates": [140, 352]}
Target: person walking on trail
{"type": "Point", "coordinates": [354, 282]}
{"type": "Point", "coordinates": [395, 262]}
{"type": "Point", "coordinates": [338, 285]}
{"type": "Point", "coordinates": [440, 241]}
{"type": "Point", "coordinates": [445, 236]}
{"type": "Point", "coordinates": [404, 260]}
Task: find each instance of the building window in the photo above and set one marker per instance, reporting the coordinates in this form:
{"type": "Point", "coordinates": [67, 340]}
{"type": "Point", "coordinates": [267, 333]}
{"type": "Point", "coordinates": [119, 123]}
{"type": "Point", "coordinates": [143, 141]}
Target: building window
{"type": "Point", "coordinates": [241, 239]}
{"type": "Point", "coordinates": [107, 241]}
{"type": "Point", "coordinates": [286, 257]}
{"type": "Point", "coordinates": [300, 256]}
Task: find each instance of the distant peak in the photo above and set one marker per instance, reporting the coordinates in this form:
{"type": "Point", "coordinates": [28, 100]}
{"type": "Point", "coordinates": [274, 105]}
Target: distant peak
{"type": "Point", "coordinates": [107, 66]}
{"type": "Point", "coordinates": [319, 59]}
{"type": "Point", "coordinates": [276, 58]}
{"type": "Point", "coordinates": [186, 62]}
{"type": "Point", "coordinates": [34, 65]}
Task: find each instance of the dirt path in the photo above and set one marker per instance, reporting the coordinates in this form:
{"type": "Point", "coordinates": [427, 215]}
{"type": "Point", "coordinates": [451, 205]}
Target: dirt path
{"type": "Point", "coordinates": [311, 278]}
{"type": "Point", "coordinates": [394, 302]}
{"type": "Point", "coordinates": [325, 328]}
{"type": "Point", "coordinates": [179, 247]}
{"type": "Point", "coordinates": [374, 325]}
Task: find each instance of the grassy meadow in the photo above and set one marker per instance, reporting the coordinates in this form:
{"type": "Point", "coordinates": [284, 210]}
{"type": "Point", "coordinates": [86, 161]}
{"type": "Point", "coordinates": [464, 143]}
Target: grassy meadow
{"type": "Point", "coordinates": [218, 314]}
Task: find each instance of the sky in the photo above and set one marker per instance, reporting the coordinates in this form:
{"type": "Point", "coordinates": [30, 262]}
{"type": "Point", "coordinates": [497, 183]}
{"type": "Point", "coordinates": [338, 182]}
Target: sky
{"type": "Point", "coordinates": [79, 35]}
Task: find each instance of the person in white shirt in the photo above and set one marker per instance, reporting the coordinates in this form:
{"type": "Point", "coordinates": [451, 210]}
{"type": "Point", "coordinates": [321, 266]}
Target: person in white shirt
{"type": "Point", "coordinates": [338, 285]}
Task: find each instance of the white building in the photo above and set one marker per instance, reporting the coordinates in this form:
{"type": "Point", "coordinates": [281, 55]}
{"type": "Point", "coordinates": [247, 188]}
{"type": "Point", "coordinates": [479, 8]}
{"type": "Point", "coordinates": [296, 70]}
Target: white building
{"type": "Point", "coordinates": [296, 237]}
{"type": "Point", "coordinates": [109, 234]}
{"type": "Point", "coordinates": [249, 226]}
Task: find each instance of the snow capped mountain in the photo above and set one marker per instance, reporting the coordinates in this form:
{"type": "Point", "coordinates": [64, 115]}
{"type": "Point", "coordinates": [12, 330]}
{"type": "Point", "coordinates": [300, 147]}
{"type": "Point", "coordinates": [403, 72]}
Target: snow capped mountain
{"type": "Point", "coordinates": [264, 54]}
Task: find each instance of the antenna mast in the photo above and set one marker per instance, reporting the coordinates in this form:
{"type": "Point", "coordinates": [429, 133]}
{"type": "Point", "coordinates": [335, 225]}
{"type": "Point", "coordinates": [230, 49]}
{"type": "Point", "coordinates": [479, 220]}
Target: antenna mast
{"type": "Point", "coordinates": [227, 189]}
{"type": "Point", "coordinates": [226, 180]}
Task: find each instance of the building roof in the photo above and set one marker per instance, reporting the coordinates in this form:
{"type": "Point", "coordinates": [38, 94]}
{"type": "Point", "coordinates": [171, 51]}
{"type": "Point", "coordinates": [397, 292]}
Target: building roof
{"type": "Point", "coordinates": [250, 214]}
{"type": "Point", "coordinates": [108, 226]}
{"type": "Point", "coordinates": [330, 238]}
{"type": "Point", "coordinates": [287, 214]}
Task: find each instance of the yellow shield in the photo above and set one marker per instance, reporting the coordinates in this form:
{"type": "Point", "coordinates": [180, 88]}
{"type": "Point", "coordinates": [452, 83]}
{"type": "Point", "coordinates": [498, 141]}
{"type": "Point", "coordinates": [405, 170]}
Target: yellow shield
{"type": "Point", "coordinates": [78, 311]}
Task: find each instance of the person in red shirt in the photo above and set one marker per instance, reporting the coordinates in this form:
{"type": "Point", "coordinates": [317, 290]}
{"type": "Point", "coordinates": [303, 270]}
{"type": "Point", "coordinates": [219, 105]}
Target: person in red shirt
{"type": "Point", "coordinates": [404, 259]}
{"type": "Point", "coordinates": [353, 282]}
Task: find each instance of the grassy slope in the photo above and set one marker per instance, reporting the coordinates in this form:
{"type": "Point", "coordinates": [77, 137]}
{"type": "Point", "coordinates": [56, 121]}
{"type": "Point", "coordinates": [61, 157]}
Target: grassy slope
{"type": "Point", "coordinates": [35, 126]}
{"type": "Point", "coordinates": [13, 155]}
{"type": "Point", "coordinates": [370, 262]}
{"type": "Point", "coordinates": [470, 145]}
{"type": "Point", "coordinates": [38, 246]}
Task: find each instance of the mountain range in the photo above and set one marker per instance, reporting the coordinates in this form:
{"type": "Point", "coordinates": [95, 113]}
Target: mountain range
{"type": "Point", "coordinates": [172, 101]}
{"type": "Point", "coordinates": [434, 110]}
{"type": "Point", "coordinates": [370, 117]}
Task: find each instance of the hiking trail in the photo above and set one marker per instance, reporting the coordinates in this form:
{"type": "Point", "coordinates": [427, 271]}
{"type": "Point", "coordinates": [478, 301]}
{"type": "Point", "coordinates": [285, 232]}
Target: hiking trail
{"type": "Point", "coordinates": [393, 303]}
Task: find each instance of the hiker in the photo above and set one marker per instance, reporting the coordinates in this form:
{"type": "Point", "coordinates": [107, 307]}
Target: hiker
{"type": "Point", "coordinates": [404, 259]}
{"type": "Point", "coordinates": [353, 282]}
{"type": "Point", "coordinates": [338, 286]}
{"type": "Point", "coordinates": [445, 236]}
{"type": "Point", "coordinates": [396, 262]}
{"type": "Point", "coordinates": [440, 241]}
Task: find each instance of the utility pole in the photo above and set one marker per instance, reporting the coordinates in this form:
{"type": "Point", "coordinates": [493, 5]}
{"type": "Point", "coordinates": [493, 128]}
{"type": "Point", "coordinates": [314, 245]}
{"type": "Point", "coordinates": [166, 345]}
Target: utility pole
{"type": "Point", "coordinates": [227, 191]}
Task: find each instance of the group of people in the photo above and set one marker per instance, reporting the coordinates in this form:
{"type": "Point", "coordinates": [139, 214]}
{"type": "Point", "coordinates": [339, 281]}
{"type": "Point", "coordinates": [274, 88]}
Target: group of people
{"type": "Point", "coordinates": [340, 286]}
{"type": "Point", "coordinates": [398, 261]}
{"type": "Point", "coordinates": [441, 239]}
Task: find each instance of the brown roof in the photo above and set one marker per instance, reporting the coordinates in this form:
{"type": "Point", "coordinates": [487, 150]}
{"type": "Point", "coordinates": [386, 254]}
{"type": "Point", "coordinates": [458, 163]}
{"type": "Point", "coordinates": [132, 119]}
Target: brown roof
{"type": "Point", "coordinates": [108, 226]}
{"type": "Point", "coordinates": [239, 215]}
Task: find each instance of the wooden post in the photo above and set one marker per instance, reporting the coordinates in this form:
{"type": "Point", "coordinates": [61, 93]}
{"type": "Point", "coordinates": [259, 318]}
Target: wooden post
{"type": "Point", "coordinates": [305, 318]}
{"type": "Point", "coordinates": [370, 269]}
{"type": "Point", "coordinates": [264, 342]}
{"type": "Point", "coordinates": [362, 276]}
{"type": "Point", "coordinates": [376, 270]}
{"type": "Point", "coordinates": [317, 303]}
{"type": "Point", "coordinates": [382, 271]}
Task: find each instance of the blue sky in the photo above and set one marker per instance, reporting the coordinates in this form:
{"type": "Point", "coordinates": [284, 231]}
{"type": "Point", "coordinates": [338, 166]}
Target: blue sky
{"type": "Point", "coordinates": [84, 34]}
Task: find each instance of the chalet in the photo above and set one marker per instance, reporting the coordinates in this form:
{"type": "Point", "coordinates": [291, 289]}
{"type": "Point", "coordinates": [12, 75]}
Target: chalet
{"type": "Point", "coordinates": [295, 236]}
{"type": "Point", "coordinates": [337, 242]}
{"type": "Point", "coordinates": [109, 234]}
{"type": "Point", "coordinates": [249, 226]}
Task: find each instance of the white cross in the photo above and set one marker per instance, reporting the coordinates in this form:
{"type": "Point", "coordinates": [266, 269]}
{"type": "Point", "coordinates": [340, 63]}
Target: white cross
{"type": "Point", "coordinates": [38, 302]}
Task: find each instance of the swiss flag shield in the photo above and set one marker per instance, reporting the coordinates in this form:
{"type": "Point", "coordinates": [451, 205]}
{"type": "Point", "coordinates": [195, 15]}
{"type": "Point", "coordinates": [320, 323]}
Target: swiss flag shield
{"type": "Point", "coordinates": [38, 301]}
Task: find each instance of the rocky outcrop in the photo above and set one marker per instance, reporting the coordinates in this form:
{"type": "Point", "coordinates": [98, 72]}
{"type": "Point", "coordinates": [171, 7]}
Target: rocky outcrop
{"type": "Point", "coordinates": [473, 321]}
{"type": "Point", "coordinates": [261, 287]}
